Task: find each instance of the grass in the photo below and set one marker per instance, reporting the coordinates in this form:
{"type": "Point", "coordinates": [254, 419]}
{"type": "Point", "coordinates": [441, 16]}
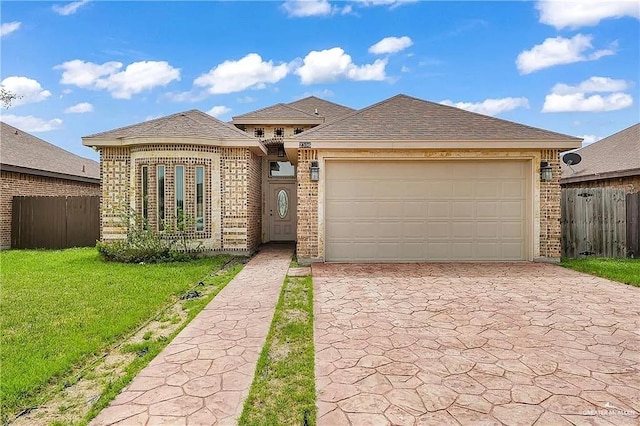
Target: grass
{"type": "Point", "coordinates": [61, 308]}
{"type": "Point", "coordinates": [149, 349]}
{"type": "Point", "coordinates": [283, 389]}
{"type": "Point", "coordinates": [623, 270]}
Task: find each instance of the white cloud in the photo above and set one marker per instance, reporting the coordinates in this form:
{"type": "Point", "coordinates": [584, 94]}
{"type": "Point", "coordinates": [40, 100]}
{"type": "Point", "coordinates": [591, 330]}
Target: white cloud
{"type": "Point", "coordinates": [574, 14]}
{"type": "Point", "coordinates": [135, 78]}
{"type": "Point", "coordinates": [69, 8]}
{"type": "Point", "coordinates": [593, 84]}
{"type": "Point", "coordinates": [490, 106]}
{"type": "Point", "coordinates": [29, 123]}
{"type": "Point", "coordinates": [304, 8]}
{"type": "Point", "coordinates": [391, 45]}
{"type": "Point", "coordinates": [560, 50]}
{"type": "Point", "coordinates": [405, 69]}
{"type": "Point", "coordinates": [333, 64]}
{"type": "Point", "coordinates": [566, 98]}
{"type": "Point", "coordinates": [218, 110]}
{"type": "Point", "coordinates": [29, 91]}
{"type": "Point", "coordinates": [589, 139]}
{"type": "Point", "coordinates": [248, 72]}
{"type": "Point", "coordinates": [391, 3]}
{"type": "Point", "coordinates": [579, 102]}
{"type": "Point", "coordinates": [9, 27]}
{"type": "Point", "coordinates": [246, 100]}
{"type": "Point", "coordinates": [80, 108]}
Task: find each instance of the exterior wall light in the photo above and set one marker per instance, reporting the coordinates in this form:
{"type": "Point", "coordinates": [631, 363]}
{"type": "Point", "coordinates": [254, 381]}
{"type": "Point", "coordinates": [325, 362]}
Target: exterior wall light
{"type": "Point", "coordinates": [315, 171]}
{"type": "Point", "coordinates": [546, 171]}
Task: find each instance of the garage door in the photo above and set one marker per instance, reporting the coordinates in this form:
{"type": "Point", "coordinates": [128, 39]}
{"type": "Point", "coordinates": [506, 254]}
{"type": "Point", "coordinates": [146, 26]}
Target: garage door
{"type": "Point", "coordinates": [394, 211]}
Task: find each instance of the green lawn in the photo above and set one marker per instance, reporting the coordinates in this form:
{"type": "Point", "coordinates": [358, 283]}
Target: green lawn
{"type": "Point", "coordinates": [60, 307]}
{"type": "Point", "coordinates": [623, 270]}
{"type": "Point", "coordinates": [283, 389]}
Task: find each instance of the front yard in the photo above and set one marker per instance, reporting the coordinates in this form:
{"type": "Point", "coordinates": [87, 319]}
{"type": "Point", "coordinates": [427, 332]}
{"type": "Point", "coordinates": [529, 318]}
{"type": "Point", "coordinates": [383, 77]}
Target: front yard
{"type": "Point", "coordinates": [622, 270]}
{"type": "Point", "coordinates": [60, 309]}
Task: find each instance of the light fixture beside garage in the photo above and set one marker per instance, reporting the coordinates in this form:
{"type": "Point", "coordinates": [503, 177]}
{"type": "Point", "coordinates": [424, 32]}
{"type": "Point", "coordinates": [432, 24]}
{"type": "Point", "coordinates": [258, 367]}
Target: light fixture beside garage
{"type": "Point", "coordinates": [315, 171]}
{"type": "Point", "coordinates": [546, 171]}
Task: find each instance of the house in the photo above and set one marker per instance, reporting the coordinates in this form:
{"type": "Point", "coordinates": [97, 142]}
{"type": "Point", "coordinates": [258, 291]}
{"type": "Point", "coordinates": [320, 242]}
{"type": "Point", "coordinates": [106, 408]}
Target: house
{"type": "Point", "coordinates": [401, 180]}
{"type": "Point", "coordinates": [611, 162]}
{"type": "Point", "coordinates": [30, 166]}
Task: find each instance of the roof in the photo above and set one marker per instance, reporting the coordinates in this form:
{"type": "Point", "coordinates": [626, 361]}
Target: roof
{"type": "Point", "coordinates": [329, 110]}
{"type": "Point", "coordinates": [24, 153]}
{"type": "Point", "coordinates": [404, 118]}
{"type": "Point", "coordinates": [192, 123]}
{"type": "Point", "coordinates": [310, 110]}
{"type": "Point", "coordinates": [614, 156]}
{"type": "Point", "coordinates": [277, 111]}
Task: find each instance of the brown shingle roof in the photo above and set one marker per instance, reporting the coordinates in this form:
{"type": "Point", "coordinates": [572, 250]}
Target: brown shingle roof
{"type": "Point", "coordinates": [19, 150]}
{"type": "Point", "coordinates": [192, 123]}
{"type": "Point", "coordinates": [616, 155]}
{"type": "Point", "coordinates": [329, 110]}
{"type": "Point", "coordinates": [277, 111]}
{"type": "Point", "coordinates": [404, 118]}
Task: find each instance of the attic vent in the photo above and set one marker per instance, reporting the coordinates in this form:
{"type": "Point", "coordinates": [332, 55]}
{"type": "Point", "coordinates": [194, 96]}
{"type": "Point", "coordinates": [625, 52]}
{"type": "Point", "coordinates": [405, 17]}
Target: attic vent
{"type": "Point", "coordinates": [316, 111]}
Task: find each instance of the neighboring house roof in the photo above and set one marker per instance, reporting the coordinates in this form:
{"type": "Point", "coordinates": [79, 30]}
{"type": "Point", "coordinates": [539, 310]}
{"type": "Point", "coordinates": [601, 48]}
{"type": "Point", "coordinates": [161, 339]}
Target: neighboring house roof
{"type": "Point", "coordinates": [191, 123]}
{"type": "Point", "coordinates": [615, 156]}
{"type": "Point", "coordinates": [329, 110]}
{"type": "Point", "coordinates": [404, 118]}
{"type": "Point", "coordinates": [24, 153]}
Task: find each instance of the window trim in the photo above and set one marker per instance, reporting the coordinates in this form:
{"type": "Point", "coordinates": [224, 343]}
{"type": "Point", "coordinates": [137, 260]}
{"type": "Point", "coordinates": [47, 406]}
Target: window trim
{"type": "Point", "coordinates": [161, 195]}
{"type": "Point", "coordinates": [204, 202]}
{"type": "Point", "coordinates": [179, 218]}
{"type": "Point", "coordinates": [144, 183]}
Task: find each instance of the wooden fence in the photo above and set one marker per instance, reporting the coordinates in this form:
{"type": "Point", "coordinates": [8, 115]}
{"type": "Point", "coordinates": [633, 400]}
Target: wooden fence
{"type": "Point", "coordinates": [633, 225]}
{"type": "Point", "coordinates": [600, 222]}
{"type": "Point", "coordinates": [55, 222]}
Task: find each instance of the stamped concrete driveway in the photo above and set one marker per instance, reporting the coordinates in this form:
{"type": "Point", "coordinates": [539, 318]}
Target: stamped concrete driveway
{"type": "Point", "coordinates": [515, 344]}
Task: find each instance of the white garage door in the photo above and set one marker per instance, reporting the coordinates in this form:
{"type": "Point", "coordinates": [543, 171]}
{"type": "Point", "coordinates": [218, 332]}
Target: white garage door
{"type": "Point", "coordinates": [394, 211]}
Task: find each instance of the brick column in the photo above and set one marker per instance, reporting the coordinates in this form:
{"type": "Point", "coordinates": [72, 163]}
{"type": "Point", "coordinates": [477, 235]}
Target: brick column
{"type": "Point", "coordinates": [307, 241]}
{"type": "Point", "coordinates": [550, 207]}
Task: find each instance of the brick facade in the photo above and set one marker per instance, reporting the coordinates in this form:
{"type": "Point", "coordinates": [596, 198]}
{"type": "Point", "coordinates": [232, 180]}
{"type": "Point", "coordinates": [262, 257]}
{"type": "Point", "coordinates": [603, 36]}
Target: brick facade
{"type": "Point", "coordinates": [20, 184]}
{"type": "Point", "coordinates": [307, 228]}
{"type": "Point", "coordinates": [550, 207]}
{"type": "Point", "coordinates": [254, 202]}
{"type": "Point", "coordinates": [546, 201]}
{"type": "Point", "coordinates": [232, 193]}
{"type": "Point", "coordinates": [631, 184]}
{"type": "Point", "coordinates": [115, 185]}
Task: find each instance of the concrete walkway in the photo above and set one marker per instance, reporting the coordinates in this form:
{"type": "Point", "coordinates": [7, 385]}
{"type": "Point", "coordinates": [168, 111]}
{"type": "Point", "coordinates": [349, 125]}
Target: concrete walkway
{"type": "Point", "coordinates": [203, 376]}
{"type": "Point", "coordinates": [471, 344]}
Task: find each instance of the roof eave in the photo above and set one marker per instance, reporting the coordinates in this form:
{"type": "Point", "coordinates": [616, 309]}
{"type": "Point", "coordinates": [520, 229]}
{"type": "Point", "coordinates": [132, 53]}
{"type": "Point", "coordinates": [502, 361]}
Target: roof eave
{"type": "Point", "coordinates": [300, 140]}
{"type": "Point", "coordinates": [600, 176]}
{"type": "Point", "coordinates": [46, 173]}
{"type": "Point", "coordinates": [250, 143]}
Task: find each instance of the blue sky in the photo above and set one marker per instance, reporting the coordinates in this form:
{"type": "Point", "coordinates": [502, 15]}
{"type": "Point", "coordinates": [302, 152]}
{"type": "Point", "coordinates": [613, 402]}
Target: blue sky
{"type": "Point", "coordinates": [89, 66]}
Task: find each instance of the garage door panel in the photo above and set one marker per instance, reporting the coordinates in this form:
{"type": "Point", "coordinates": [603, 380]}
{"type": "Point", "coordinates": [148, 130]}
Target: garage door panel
{"type": "Point", "coordinates": [426, 211]}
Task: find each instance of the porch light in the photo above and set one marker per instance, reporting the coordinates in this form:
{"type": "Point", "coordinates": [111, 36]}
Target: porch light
{"type": "Point", "coordinates": [280, 151]}
{"type": "Point", "coordinates": [315, 171]}
{"type": "Point", "coordinates": [546, 171]}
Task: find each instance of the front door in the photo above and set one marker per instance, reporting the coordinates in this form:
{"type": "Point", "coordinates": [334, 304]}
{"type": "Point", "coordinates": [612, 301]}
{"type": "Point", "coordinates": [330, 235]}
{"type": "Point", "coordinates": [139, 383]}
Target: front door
{"type": "Point", "coordinates": [282, 211]}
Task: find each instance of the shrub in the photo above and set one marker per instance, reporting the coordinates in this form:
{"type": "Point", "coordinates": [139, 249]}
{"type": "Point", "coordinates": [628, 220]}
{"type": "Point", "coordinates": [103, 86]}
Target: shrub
{"type": "Point", "coordinates": [144, 245]}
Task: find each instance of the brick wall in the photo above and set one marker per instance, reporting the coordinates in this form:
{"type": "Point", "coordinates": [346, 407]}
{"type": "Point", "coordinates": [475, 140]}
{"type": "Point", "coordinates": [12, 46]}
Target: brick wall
{"type": "Point", "coordinates": [19, 184]}
{"type": "Point", "coordinates": [550, 206]}
{"type": "Point", "coordinates": [115, 189]}
{"type": "Point", "coordinates": [233, 195]}
{"type": "Point", "coordinates": [631, 184]}
{"type": "Point", "coordinates": [254, 202]}
{"type": "Point", "coordinates": [307, 243]}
